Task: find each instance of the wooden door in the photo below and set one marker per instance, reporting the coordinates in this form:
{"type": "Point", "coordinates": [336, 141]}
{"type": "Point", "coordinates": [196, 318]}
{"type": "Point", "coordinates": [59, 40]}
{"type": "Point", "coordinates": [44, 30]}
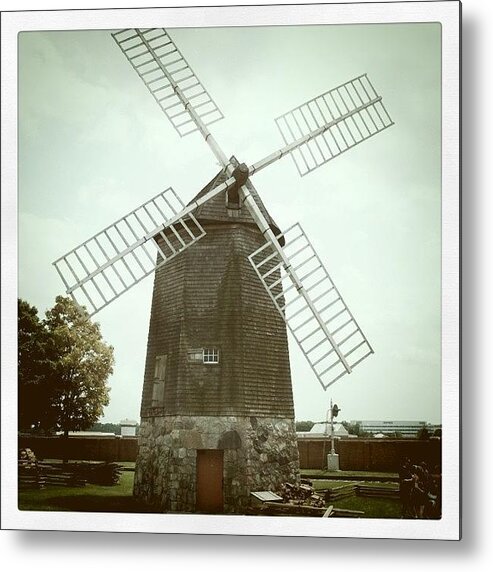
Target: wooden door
{"type": "Point", "coordinates": [210, 481]}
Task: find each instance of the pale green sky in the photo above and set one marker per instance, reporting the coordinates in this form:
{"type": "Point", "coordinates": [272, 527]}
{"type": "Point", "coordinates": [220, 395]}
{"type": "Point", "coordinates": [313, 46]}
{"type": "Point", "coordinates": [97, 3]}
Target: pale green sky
{"type": "Point", "coordinates": [93, 145]}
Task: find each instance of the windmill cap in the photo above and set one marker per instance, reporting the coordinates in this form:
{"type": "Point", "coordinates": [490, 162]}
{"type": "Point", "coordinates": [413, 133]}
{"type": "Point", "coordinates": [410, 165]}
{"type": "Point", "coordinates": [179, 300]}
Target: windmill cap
{"type": "Point", "coordinates": [216, 209]}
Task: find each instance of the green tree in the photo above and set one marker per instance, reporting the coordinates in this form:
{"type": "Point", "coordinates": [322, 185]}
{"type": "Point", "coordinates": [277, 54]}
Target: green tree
{"type": "Point", "coordinates": [107, 428]}
{"type": "Point", "coordinates": [304, 425]}
{"type": "Point", "coordinates": [32, 368]}
{"type": "Point", "coordinates": [423, 433]}
{"type": "Point", "coordinates": [80, 364]}
{"type": "Point", "coordinates": [355, 429]}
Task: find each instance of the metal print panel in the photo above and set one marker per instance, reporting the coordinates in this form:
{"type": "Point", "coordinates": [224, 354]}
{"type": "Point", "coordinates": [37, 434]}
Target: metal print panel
{"type": "Point", "coordinates": [228, 425]}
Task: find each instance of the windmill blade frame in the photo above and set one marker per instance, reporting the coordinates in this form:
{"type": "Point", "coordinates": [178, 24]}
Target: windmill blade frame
{"type": "Point", "coordinates": [311, 305]}
{"type": "Point", "coordinates": [87, 268]}
{"type": "Point", "coordinates": [318, 131]}
{"type": "Point", "coordinates": [354, 111]}
{"type": "Point", "coordinates": [168, 77]}
{"type": "Point", "coordinates": [109, 263]}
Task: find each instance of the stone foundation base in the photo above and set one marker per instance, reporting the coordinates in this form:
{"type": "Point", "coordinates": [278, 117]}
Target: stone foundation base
{"type": "Point", "coordinates": [258, 454]}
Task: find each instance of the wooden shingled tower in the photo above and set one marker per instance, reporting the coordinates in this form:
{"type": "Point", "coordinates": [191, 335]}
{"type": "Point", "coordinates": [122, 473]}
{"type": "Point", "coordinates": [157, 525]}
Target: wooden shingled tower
{"type": "Point", "coordinates": [217, 390]}
{"type": "Point", "coordinates": [217, 418]}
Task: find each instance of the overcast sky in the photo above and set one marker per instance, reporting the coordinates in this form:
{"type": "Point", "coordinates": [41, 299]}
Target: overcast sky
{"type": "Point", "coordinates": [93, 145]}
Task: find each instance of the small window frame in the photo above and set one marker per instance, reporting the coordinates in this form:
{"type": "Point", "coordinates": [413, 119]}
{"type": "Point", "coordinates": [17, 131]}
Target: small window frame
{"type": "Point", "coordinates": [210, 356]}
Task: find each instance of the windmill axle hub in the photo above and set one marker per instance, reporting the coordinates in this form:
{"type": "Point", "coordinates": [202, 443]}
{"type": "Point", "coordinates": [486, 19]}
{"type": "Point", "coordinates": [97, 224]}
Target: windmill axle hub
{"type": "Point", "coordinates": [241, 173]}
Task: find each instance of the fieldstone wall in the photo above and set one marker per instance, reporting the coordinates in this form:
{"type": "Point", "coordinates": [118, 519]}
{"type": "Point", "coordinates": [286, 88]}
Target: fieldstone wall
{"type": "Point", "coordinates": [259, 454]}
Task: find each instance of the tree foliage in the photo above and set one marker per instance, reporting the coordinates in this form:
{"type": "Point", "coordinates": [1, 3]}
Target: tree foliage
{"type": "Point", "coordinates": [355, 429]}
{"type": "Point", "coordinates": [81, 366]}
{"type": "Point", "coordinates": [115, 428]}
{"type": "Point", "coordinates": [423, 433]}
{"type": "Point", "coordinates": [304, 425]}
{"type": "Point", "coordinates": [107, 428]}
{"type": "Point", "coordinates": [32, 367]}
{"type": "Point", "coordinates": [76, 365]}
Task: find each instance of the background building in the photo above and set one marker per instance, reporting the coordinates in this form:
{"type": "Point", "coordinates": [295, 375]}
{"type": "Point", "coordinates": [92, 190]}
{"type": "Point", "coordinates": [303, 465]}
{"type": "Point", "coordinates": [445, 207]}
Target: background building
{"type": "Point", "coordinates": [322, 430]}
{"type": "Point", "coordinates": [404, 428]}
{"type": "Point", "coordinates": [128, 427]}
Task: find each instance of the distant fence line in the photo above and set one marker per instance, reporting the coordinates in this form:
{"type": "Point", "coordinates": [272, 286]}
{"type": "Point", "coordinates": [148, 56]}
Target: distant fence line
{"type": "Point", "coordinates": [82, 448]}
{"type": "Point", "coordinates": [369, 454]}
{"type": "Point", "coordinates": [354, 454]}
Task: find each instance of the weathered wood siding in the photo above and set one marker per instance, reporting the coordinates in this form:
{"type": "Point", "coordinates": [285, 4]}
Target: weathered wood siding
{"type": "Point", "coordinates": [210, 297]}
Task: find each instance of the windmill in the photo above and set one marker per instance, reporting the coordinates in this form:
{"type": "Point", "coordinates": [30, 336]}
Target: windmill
{"type": "Point", "coordinates": [217, 407]}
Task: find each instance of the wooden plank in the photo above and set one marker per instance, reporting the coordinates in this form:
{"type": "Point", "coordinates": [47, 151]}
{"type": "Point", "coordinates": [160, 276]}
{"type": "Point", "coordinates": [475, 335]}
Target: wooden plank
{"type": "Point", "coordinates": [291, 509]}
{"type": "Point", "coordinates": [347, 512]}
{"type": "Point", "coordinates": [328, 512]}
{"type": "Point", "coordinates": [377, 492]}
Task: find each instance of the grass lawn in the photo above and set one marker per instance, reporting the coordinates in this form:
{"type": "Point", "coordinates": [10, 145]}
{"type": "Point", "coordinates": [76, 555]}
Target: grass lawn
{"type": "Point", "coordinates": [96, 498]}
{"type": "Point", "coordinates": [91, 498]}
{"type": "Point", "coordinates": [322, 484]}
{"type": "Point", "coordinates": [372, 507]}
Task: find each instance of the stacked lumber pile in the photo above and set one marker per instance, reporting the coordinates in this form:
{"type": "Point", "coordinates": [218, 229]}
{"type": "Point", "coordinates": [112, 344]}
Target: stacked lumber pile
{"type": "Point", "coordinates": [301, 495]}
{"type": "Point", "coordinates": [291, 500]}
{"type": "Point", "coordinates": [301, 500]}
{"type": "Point", "coordinates": [286, 509]}
{"type": "Point", "coordinates": [339, 493]}
{"type": "Point", "coordinates": [78, 474]}
{"type": "Point", "coordinates": [35, 474]}
{"type": "Point", "coordinates": [27, 459]}
{"type": "Point", "coordinates": [29, 471]}
{"type": "Point", "coordinates": [298, 500]}
{"type": "Point", "coordinates": [376, 491]}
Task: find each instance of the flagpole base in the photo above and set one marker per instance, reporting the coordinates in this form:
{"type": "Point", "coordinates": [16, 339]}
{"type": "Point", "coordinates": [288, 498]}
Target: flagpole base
{"type": "Point", "coordinates": [332, 462]}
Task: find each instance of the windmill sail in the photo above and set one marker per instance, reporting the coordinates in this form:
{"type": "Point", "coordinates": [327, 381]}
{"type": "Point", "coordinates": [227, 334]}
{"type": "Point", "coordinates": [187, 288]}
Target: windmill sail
{"type": "Point", "coordinates": [115, 259]}
{"type": "Point", "coordinates": [108, 264]}
{"type": "Point", "coordinates": [319, 319]}
{"type": "Point", "coordinates": [169, 78]}
{"type": "Point", "coordinates": [329, 125]}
